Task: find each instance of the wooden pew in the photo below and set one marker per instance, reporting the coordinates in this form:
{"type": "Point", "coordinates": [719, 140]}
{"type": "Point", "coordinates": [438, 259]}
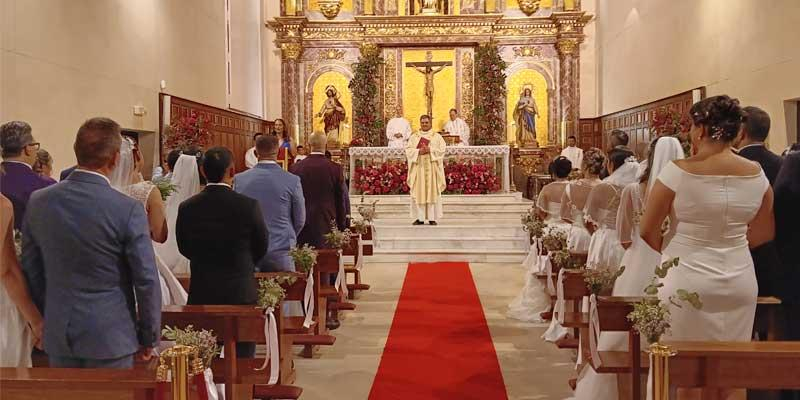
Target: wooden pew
{"type": "Point", "coordinates": [768, 311]}
{"type": "Point", "coordinates": [77, 384]}
{"type": "Point", "coordinates": [574, 291]}
{"type": "Point", "coordinates": [350, 269]}
{"type": "Point", "coordinates": [328, 264]}
{"type": "Point", "coordinates": [735, 365]}
{"type": "Point", "coordinates": [233, 324]}
{"type": "Point", "coordinates": [317, 334]}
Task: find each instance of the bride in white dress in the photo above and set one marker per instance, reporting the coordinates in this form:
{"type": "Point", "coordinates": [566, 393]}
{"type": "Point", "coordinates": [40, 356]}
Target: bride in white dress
{"type": "Point", "coordinates": [600, 213]}
{"type": "Point", "coordinates": [720, 205]}
{"type": "Point", "coordinates": [22, 323]}
{"type": "Point", "coordinates": [127, 179]}
{"type": "Point", "coordinates": [186, 178]}
{"type": "Point", "coordinates": [574, 200]}
{"type": "Point", "coordinates": [639, 260]}
{"type": "Point", "coordinates": [533, 299]}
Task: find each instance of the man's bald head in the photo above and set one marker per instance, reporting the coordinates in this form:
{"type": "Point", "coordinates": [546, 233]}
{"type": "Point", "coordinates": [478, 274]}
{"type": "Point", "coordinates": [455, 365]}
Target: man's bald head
{"type": "Point", "coordinates": [318, 142]}
{"type": "Point", "coordinates": [267, 147]}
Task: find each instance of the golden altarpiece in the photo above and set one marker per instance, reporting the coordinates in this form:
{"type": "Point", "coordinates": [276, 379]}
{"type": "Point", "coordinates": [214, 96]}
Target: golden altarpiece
{"type": "Point", "coordinates": [539, 40]}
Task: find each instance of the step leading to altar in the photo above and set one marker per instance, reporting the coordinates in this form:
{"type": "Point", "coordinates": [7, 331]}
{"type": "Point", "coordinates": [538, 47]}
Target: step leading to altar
{"type": "Point", "coordinates": [475, 228]}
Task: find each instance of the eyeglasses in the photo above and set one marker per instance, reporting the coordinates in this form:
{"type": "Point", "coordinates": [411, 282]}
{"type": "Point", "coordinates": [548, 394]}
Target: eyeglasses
{"type": "Point", "coordinates": [35, 144]}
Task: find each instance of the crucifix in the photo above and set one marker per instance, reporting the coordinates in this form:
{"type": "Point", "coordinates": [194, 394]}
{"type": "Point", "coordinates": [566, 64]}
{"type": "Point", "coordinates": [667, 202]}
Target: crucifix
{"type": "Point", "coordinates": [429, 68]}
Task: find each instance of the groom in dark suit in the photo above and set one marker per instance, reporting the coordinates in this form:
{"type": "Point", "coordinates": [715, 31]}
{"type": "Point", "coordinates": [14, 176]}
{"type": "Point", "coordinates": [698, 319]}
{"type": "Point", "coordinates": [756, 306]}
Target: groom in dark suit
{"type": "Point", "coordinates": [223, 235]}
{"type": "Point", "coordinates": [89, 262]}
{"type": "Point", "coordinates": [751, 142]}
{"type": "Point", "coordinates": [323, 184]}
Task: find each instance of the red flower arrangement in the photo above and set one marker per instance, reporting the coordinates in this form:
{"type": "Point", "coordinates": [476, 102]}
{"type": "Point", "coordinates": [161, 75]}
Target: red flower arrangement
{"type": "Point", "coordinates": [188, 131]}
{"type": "Point", "coordinates": [463, 177]}
{"type": "Point", "coordinates": [669, 122]}
{"type": "Point", "coordinates": [358, 142]}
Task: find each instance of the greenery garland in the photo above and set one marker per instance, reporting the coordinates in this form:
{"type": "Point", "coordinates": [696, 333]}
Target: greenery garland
{"type": "Point", "coordinates": [490, 95]}
{"type": "Point", "coordinates": [367, 120]}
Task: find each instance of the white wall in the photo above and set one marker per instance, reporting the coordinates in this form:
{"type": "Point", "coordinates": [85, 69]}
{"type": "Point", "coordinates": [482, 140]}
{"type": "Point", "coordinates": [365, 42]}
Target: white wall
{"type": "Point", "coordinates": [748, 49]}
{"type": "Point", "coordinates": [64, 61]}
{"type": "Point", "coordinates": [246, 70]}
{"type": "Point", "coordinates": [589, 81]}
{"type": "Point", "coordinates": [272, 63]}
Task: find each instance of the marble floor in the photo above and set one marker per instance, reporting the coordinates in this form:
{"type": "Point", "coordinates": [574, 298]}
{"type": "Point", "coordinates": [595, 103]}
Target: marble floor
{"type": "Point", "coordinates": [532, 369]}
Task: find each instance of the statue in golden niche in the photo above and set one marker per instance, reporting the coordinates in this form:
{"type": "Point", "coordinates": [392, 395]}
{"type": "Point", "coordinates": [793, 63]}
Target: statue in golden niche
{"type": "Point", "coordinates": [525, 115]}
{"type": "Point", "coordinates": [332, 113]}
{"type": "Point", "coordinates": [429, 6]}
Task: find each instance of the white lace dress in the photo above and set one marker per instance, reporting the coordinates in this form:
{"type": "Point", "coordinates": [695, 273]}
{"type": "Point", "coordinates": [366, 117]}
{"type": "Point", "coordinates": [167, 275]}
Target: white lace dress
{"type": "Point", "coordinates": [601, 210]}
{"type": "Point", "coordinates": [172, 293]}
{"type": "Point", "coordinates": [572, 205]}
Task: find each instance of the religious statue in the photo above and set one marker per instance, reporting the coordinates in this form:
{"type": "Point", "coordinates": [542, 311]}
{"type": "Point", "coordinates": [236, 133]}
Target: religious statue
{"type": "Point", "coordinates": [525, 115]}
{"type": "Point", "coordinates": [332, 113]}
{"type": "Point", "coordinates": [429, 68]}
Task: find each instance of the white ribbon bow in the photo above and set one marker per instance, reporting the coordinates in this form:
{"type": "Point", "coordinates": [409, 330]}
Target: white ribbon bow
{"type": "Point", "coordinates": [308, 300]}
{"type": "Point", "coordinates": [273, 358]}
{"type": "Point", "coordinates": [341, 282]}
{"type": "Point", "coordinates": [360, 256]}
{"type": "Point", "coordinates": [594, 330]}
{"type": "Point", "coordinates": [560, 308]}
{"type": "Point", "coordinates": [548, 267]}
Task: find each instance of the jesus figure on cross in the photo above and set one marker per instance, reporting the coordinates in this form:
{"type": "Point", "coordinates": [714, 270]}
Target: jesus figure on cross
{"type": "Point", "coordinates": [429, 68]}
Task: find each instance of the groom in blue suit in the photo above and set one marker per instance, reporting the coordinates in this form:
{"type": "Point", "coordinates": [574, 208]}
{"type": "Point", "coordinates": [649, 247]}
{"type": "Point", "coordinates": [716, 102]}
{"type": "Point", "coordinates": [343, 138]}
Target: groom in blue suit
{"type": "Point", "coordinates": [89, 262]}
{"type": "Point", "coordinates": [280, 197]}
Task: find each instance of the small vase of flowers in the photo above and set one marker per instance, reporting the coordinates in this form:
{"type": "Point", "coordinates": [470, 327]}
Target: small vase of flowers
{"type": "Point", "coordinates": [304, 257]}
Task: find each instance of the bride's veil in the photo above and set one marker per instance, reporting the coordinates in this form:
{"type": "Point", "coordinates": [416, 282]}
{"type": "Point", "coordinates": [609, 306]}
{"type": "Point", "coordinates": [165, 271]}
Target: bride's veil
{"type": "Point", "coordinates": [187, 179]}
{"type": "Point", "coordinates": [122, 176]}
{"type": "Point", "coordinates": [667, 150]}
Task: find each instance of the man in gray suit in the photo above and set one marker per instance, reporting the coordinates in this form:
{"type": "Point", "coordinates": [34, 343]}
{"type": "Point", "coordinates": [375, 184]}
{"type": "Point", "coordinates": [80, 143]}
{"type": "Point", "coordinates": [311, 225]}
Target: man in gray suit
{"type": "Point", "coordinates": [280, 196]}
{"type": "Point", "coordinates": [89, 261]}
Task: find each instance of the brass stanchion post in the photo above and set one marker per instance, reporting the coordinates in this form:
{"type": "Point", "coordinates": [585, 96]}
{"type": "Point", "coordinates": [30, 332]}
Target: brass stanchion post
{"type": "Point", "coordinates": [659, 366]}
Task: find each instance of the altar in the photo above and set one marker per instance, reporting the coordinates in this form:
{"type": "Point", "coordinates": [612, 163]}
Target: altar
{"type": "Point", "coordinates": [468, 170]}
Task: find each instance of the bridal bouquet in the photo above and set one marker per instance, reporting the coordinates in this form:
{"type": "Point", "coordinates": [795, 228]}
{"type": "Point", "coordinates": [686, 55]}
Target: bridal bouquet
{"type": "Point", "coordinates": [651, 316]}
{"type": "Point", "coordinates": [337, 239]}
{"type": "Point", "coordinates": [204, 340]}
{"type": "Point", "coordinates": [601, 280]}
{"type": "Point", "coordinates": [165, 187]}
{"type": "Point", "coordinates": [270, 293]}
{"type": "Point", "coordinates": [304, 257]}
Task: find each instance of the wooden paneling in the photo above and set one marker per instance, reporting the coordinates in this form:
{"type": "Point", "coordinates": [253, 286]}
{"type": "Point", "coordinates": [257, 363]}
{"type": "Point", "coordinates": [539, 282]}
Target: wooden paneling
{"type": "Point", "coordinates": [636, 121]}
{"type": "Point", "coordinates": [228, 128]}
{"type": "Point", "coordinates": [590, 133]}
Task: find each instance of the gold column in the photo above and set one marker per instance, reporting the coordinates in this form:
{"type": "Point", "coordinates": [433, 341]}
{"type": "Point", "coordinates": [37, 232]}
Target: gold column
{"type": "Point", "coordinates": [369, 7]}
{"type": "Point", "coordinates": [660, 355]}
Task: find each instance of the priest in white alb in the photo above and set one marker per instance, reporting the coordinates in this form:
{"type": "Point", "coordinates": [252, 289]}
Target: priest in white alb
{"type": "Point", "coordinates": [398, 130]}
{"type": "Point", "coordinates": [573, 153]}
{"type": "Point", "coordinates": [425, 154]}
{"type": "Point", "coordinates": [457, 127]}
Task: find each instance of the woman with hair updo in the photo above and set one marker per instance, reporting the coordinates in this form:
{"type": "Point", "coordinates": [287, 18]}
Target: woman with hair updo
{"type": "Point", "coordinates": [44, 165]}
{"type": "Point", "coordinates": [574, 200]}
{"type": "Point", "coordinates": [548, 203]}
{"type": "Point", "coordinates": [719, 206]}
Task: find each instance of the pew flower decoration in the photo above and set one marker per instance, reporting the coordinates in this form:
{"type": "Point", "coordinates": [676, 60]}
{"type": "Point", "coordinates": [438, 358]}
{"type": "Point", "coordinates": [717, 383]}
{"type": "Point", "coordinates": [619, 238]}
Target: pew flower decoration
{"type": "Point", "coordinates": [270, 293]}
{"type": "Point", "coordinates": [368, 211]}
{"type": "Point", "coordinates": [337, 239]}
{"type": "Point", "coordinates": [204, 340]}
{"type": "Point", "coordinates": [304, 257]}
{"type": "Point", "coordinates": [554, 240]}
{"type": "Point", "coordinates": [601, 280]}
{"type": "Point", "coordinates": [360, 226]}
{"type": "Point", "coordinates": [533, 224]}
{"type": "Point", "coordinates": [18, 243]}
{"type": "Point", "coordinates": [651, 316]}
{"type": "Point", "coordinates": [165, 187]}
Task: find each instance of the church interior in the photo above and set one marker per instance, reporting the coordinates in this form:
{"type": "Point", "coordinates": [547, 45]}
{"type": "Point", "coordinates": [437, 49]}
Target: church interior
{"type": "Point", "coordinates": [467, 298]}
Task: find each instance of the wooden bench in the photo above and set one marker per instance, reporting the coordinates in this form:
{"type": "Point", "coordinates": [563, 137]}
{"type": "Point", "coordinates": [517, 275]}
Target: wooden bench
{"type": "Point", "coordinates": [328, 264]}
{"type": "Point", "coordinates": [735, 365]}
{"type": "Point", "coordinates": [317, 334]}
{"type": "Point", "coordinates": [233, 324]}
{"type": "Point", "coordinates": [77, 384]}
{"type": "Point", "coordinates": [574, 291]}
{"type": "Point", "coordinates": [767, 314]}
{"type": "Point", "coordinates": [350, 269]}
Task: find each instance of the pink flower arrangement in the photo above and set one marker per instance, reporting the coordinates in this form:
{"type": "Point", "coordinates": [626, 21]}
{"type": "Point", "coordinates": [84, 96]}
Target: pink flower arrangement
{"type": "Point", "coordinates": [463, 177]}
{"type": "Point", "coordinates": [188, 131]}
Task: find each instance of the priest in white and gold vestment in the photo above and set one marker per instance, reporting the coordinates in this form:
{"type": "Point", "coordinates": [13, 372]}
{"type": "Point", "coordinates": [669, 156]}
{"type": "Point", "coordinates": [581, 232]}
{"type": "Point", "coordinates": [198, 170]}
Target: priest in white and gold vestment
{"type": "Point", "coordinates": [425, 153]}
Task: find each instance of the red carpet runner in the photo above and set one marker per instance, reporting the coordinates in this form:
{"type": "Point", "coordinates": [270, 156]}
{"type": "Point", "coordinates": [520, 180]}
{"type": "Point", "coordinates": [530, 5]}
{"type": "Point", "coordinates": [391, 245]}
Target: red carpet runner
{"type": "Point", "coordinates": [439, 346]}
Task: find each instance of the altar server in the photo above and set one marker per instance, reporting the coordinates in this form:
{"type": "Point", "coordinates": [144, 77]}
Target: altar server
{"type": "Point", "coordinates": [398, 130]}
{"type": "Point", "coordinates": [573, 153]}
{"type": "Point", "coordinates": [457, 126]}
{"type": "Point", "coordinates": [425, 153]}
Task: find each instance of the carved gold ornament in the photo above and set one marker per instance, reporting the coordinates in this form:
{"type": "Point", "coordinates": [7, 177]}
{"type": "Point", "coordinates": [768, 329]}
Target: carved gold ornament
{"type": "Point", "coordinates": [529, 6]}
{"type": "Point", "coordinates": [330, 8]}
{"type": "Point", "coordinates": [330, 54]}
{"type": "Point", "coordinates": [369, 49]}
{"type": "Point", "coordinates": [527, 51]}
{"type": "Point", "coordinates": [567, 47]}
{"type": "Point", "coordinates": [291, 51]}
